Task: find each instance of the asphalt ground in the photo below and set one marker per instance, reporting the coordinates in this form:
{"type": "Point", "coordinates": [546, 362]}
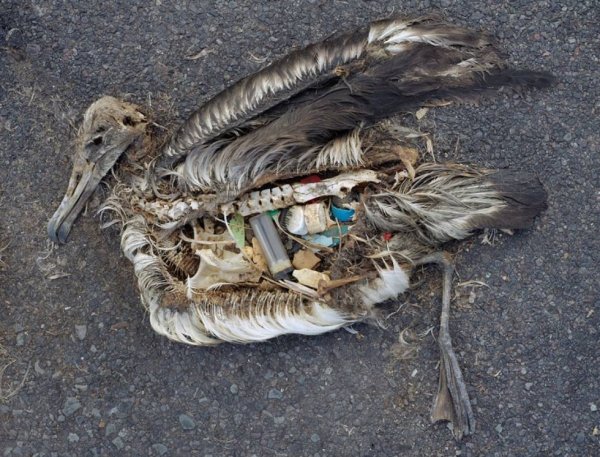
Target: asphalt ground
{"type": "Point", "coordinates": [82, 372]}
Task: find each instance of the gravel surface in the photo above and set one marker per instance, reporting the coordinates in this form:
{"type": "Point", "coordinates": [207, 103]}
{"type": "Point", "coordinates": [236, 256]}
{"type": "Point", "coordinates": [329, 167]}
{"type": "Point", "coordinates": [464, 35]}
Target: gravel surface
{"type": "Point", "coordinates": [86, 376]}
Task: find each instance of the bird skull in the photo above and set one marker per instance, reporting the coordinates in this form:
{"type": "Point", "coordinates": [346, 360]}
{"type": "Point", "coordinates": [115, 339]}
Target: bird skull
{"type": "Point", "coordinates": [109, 128]}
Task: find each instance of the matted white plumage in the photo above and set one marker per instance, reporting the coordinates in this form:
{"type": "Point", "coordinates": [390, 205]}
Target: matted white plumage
{"type": "Point", "coordinates": [312, 127]}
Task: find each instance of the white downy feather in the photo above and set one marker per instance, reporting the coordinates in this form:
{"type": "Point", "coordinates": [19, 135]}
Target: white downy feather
{"type": "Point", "coordinates": [390, 284]}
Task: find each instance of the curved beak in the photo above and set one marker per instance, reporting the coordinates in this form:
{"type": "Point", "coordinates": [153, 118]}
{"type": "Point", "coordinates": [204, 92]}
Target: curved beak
{"type": "Point", "coordinates": [83, 182]}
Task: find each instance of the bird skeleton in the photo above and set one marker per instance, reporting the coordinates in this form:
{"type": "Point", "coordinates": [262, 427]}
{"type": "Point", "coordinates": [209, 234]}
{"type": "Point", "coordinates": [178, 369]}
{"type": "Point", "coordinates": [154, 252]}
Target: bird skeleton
{"type": "Point", "coordinates": [206, 224]}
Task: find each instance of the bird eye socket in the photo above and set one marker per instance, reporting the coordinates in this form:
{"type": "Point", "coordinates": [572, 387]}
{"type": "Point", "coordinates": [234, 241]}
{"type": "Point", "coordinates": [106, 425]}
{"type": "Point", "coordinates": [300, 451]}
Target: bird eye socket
{"type": "Point", "coordinates": [93, 146]}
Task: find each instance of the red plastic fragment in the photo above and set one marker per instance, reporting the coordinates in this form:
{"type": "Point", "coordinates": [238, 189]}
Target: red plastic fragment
{"type": "Point", "coordinates": [310, 179]}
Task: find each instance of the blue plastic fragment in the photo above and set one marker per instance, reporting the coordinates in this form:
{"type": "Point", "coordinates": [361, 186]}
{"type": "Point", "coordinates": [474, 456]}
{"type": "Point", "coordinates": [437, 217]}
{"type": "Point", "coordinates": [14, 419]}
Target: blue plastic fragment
{"type": "Point", "coordinates": [329, 237]}
{"type": "Point", "coordinates": [342, 214]}
{"type": "Point", "coordinates": [321, 240]}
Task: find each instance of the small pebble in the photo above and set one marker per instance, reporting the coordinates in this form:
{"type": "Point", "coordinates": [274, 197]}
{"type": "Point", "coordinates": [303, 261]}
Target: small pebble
{"type": "Point", "coordinates": [269, 374]}
{"type": "Point", "coordinates": [238, 418]}
{"type": "Point", "coordinates": [80, 331]}
{"type": "Point", "coordinates": [33, 48]}
{"type": "Point", "coordinates": [118, 442]}
{"type": "Point", "coordinates": [70, 406]}
{"type": "Point", "coordinates": [159, 448]}
{"type": "Point", "coordinates": [274, 393]}
{"type": "Point", "coordinates": [73, 437]}
{"type": "Point", "coordinates": [315, 438]}
{"type": "Point", "coordinates": [234, 389]}
{"type": "Point", "coordinates": [593, 407]}
{"type": "Point", "coordinates": [187, 423]}
{"type": "Point", "coordinates": [110, 429]}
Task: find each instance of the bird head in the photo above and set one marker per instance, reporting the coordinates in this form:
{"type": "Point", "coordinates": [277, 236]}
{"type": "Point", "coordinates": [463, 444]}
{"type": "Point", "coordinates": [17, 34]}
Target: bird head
{"type": "Point", "coordinates": [109, 128]}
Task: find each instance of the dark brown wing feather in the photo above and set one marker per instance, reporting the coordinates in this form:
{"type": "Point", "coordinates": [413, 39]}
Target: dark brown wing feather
{"type": "Point", "coordinates": [296, 130]}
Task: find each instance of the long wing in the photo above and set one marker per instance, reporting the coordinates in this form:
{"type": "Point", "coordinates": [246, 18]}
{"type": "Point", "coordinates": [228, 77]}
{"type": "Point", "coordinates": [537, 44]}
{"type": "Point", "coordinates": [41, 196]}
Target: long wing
{"type": "Point", "coordinates": [280, 119]}
{"type": "Point", "coordinates": [319, 64]}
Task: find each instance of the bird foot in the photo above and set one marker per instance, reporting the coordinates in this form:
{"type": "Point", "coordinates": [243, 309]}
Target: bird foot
{"type": "Point", "coordinates": [451, 402]}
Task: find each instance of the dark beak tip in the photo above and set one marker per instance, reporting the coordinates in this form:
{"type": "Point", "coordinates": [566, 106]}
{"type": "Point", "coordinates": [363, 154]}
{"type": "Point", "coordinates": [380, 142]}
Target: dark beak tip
{"type": "Point", "coordinates": [63, 233]}
{"type": "Point", "coordinates": [58, 235]}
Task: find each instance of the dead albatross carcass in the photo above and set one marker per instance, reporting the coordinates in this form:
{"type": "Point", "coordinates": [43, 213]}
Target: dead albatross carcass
{"type": "Point", "coordinates": [288, 203]}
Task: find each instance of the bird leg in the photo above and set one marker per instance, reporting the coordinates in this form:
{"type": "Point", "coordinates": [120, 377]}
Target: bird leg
{"type": "Point", "coordinates": [451, 403]}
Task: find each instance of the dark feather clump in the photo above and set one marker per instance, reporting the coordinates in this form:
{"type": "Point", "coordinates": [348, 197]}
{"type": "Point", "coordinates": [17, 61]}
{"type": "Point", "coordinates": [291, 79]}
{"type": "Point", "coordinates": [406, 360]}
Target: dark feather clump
{"type": "Point", "coordinates": [486, 86]}
{"type": "Point", "coordinates": [524, 196]}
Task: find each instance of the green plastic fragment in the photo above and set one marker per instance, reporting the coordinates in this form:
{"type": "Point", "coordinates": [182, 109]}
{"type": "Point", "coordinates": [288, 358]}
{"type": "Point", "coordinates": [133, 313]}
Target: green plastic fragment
{"type": "Point", "coordinates": [236, 225]}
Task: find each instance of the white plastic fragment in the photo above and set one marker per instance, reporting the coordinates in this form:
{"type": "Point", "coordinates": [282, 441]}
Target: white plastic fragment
{"type": "Point", "coordinates": [305, 219]}
{"type": "Point", "coordinates": [316, 218]}
{"type": "Point", "coordinates": [226, 267]}
{"type": "Point", "coordinates": [305, 258]}
{"type": "Point", "coordinates": [310, 278]}
{"type": "Point", "coordinates": [295, 222]}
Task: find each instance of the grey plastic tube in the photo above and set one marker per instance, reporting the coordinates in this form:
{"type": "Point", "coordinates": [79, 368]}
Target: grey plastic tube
{"type": "Point", "coordinates": [268, 238]}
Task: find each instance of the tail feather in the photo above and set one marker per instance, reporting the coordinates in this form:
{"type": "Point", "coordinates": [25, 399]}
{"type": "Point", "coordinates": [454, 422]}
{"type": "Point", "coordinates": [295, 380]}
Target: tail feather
{"type": "Point", "coordinates": [449, 202]}
{"type": "Point", "coordinates": [523, 197]}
